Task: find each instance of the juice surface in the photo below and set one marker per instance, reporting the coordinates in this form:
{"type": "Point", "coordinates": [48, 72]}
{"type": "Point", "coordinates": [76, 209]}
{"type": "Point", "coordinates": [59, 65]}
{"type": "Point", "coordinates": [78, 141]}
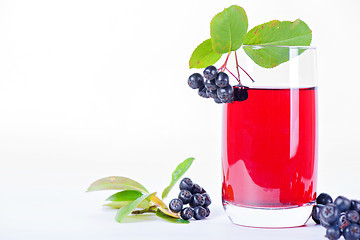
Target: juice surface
{"type": "Point", "coordinates": [270, 148]}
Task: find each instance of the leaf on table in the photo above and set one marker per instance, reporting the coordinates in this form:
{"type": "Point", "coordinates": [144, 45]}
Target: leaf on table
{"type": "Point", "coordinates": [177, 174]}
{"type": "Point", "coordinates": [160, 214]}
{"type": "Point", "coordinates": [228, 29]}
{"type": "Point", "coordinates": [119, 204]}
{"type": "Point", "coordinates": [126, 210]}
{"type": "Point", "coordinates": [116, 183]}
{"type": "Point", "coordinates": [278, 33]}
{"type": "Point", "coordinates": [162, 206]}
{"type": "Point", "coordinates": [204, 55]}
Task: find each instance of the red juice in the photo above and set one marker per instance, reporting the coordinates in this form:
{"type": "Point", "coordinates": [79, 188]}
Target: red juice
{"type": "Point", "coordinates": [269, 148]}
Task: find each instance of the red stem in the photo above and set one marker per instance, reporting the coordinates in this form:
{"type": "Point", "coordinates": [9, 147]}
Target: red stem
{"type": "Point", "coordinates": [233, 75]}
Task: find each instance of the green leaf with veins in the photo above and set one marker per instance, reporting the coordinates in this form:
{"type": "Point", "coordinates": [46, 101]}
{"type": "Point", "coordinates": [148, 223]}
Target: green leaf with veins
{"type": "Point", "coordinates": [177, 174]}
{"type": "Point", "coordinates": [204, 55]}
{"type": "Point", "coordinates": [126, 210]}
{"type": "Point", "coordinates": [170, 219]}
{"type": "Point", "coordinates": [116, 183]}
{"type": "Point", "coordinates": [277, 33]}
{"type": "Point", "coordinates": [228, 29]}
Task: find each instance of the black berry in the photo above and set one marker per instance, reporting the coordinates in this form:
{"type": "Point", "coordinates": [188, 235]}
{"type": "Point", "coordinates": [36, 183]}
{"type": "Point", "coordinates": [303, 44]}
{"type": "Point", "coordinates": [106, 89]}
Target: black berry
{"type": "Point", "coordinates": [176, 205]}
{"type": "Point", "coordinates": [324, 199]}
{"type": "Point", "coordinates": [197, 200]}
{"type": "Point", "coordinates": [196, 81]}
{"type": "Point", "coordinates": [352, 216]}
{"type": "Point", "coordinates": [212, 94]}
{"type": "Point", "coordinates": [199, 213]}
{"type": "Point", "coordinates": [352, 232]}
{"type": "Point", "coordinates": [333, 232]}
{"type": "Point", "coordinates": [240, 94]}
{"type": "Point", "coordinates": [210, 72]}
{"type": "Point", "coordinates": [342, 203]}
{"type": "Point", "coordinates": [217, 100]}
{"type": "Point", "coordinates": [342, 222]}
{"type": "Point", "coordinates": [196, 189]}
{"type": "Point", "coordinates": [207, 200]}
{"type": "Point", "coordinates": [186, 184]}
{"type": "Point", "coordinates": [207, 212]}
{"type": "Point", "coordinates": [187, 213]}
{"type": "Point", "coordinates": [185, 196]}
{"type": "Point", "coordinates": [225, 92]}
{"type": "Point", "coordinates": [222, 80]}
{"type": "Point", "coordinates": [202, 92]}
{"type": "Point", "coordinates": [355, 205]}
{"type": "Point", "coordinates": [316, 213]}
{"type": "Point", "coordinates": [329, 214]}
{"type": "Point", "coordinates": [210, 84]}
{"type": "Point", "coordinates": [229, 99]}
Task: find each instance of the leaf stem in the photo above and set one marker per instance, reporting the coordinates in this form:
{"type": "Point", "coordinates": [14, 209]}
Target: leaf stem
{"type": "Point", "coordinates": [237, 69]}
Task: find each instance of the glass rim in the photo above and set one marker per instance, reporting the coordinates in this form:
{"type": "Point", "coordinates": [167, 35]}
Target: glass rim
{"type": "Point", "coordinates": [280, 46]}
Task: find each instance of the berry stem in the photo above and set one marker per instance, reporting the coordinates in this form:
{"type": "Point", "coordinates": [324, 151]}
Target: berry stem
{"type": "Point", "coordinates": [223, 67]}
{"type": "Point", "coordinates": [246, 73]}
{"type": "Point", "coordinates": [237, 67]}
{"type": "Point", "coordinates": [233, 75]}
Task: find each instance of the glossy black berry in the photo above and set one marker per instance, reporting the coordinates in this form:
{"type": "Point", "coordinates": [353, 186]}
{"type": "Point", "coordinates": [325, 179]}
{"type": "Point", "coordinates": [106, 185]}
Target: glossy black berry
{"type": "Point", "coordinates": [196, 189]}
{"type": "Point", "coordinates": [202, 92]}
{"type": "Point", "coordinates": [333, 232]}
{"type": "Point", "coordinates": [207, 200]}
{"type": "Point", "coordinates": [217, 100]}
{"type": "Point", "coordinates": [176, 205]}
{"type": "Point", "coordinates": [342, 222]}
{"type": "Point", "coordinates": [342, 203]}
{"type": "Point", "coordinates": [207, 212]}
{"type": "Point", "coordinates": [210, 72]}
{"type": "Point", "coordinates": [197, 200]}
{"type": "Point", "coordinates": [222, 80]}
{"type": "Point", "coordinates": [187, 213]}
{"type": "Point", "coordinates": [352, 232]}
{"type": "Point", "coordinates": [212, 94]}
{"type": "Point", "coordinates": [196, 81]}
{"type": "Point", "coordinates": [355, 205]}
{"type": "Point", "coordinates": [324, 199]}
{"type": "Point", "coordinates": [186, 184]}
{"type": "Point", "coordinates": [199, 213]}
{"type": "Point", "coordinates": [315, 214]}
{"type": "Point", "coordinates": [352, 216]}
{"type": "Point", "coordinates": [185, 196]}
{"type": "Point", "coordinates": [203, 190]}
{"type": "Point", "coordinates": [210, 84]}
{"type": "Point", "coordinates": [225, 92]}
{"type": "Point", "coordinates": [329, 214]}
{"type": "Point", "coordinates": [229, 99]}
{"type": "Point", "coordinates": [240, 94]}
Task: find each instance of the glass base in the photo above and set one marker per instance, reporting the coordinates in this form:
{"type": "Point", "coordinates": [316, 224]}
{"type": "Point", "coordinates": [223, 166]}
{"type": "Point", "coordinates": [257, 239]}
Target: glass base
{"type": "Point", "coordinates": [268, 217]}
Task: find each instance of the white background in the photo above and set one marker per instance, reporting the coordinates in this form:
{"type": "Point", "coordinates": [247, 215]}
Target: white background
{"type": "Point", "coordinates": [90, 89]}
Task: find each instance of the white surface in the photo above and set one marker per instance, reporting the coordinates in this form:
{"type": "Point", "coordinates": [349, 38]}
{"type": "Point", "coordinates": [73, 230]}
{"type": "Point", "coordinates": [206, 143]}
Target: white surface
{"type": "Point", "coordinates": [96, 88]}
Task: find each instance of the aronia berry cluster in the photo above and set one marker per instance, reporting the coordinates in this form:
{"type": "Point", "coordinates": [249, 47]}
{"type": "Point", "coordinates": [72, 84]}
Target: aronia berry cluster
{"type": "Point", "coordinates": [340, 217]}
{"type": "Point", "coordinates": [217, 86]}
{"type": "Point", "coordinates": [194, 195]}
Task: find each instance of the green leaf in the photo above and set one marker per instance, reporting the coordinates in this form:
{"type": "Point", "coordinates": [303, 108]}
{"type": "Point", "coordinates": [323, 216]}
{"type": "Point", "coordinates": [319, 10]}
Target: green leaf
{"type": "Point", "coordinates": [228, 29]}
{"type": "Point", "coordinates": [126, 195]}
{"type": "Point", "coordinates": [176, 175]}
{"type": "Point", "coordinates": [170, 219]}
{"type": "Point", "coordinates": [276, 33]}
{"type": "Point", "coordinates": [116, 183]}
{"type": "Point", "coordinates": [204, 55]}
{"type": "Point", "coordinates": [120, 204]}
{"type": "Point", "coordinates": [126, 210]}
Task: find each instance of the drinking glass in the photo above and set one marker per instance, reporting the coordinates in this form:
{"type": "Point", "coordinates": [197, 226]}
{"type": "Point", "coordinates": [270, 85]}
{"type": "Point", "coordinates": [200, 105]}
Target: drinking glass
{"type": "Point", "coordinates": [269, 152]}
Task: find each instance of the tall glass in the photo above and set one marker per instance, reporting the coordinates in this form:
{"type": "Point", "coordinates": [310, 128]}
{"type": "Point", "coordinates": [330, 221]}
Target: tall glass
{"type": "Point", "coordinates": [269, 157]}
